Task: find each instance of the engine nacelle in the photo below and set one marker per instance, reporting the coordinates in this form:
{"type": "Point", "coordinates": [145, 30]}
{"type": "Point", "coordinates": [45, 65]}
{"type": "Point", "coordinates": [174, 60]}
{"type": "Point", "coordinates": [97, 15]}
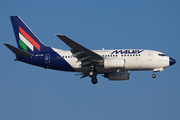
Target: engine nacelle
{"type": "Point", "coordinates": [117, 75]}
{"type": "Point", "coordinates": [114, 63]}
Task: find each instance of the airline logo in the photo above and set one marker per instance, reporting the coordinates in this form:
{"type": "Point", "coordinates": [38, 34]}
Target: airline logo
{"type": "Point", "coordinates": [127, 51]}
{"type": "Point", "coordinates": [26, 40]}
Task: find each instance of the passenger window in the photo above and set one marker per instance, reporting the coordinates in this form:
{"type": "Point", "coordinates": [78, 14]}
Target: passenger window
{"type": "Point", "coordinates": [162, 55]}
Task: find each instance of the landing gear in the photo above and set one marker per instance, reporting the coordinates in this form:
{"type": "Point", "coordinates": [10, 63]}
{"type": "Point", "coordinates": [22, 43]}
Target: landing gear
{"type": "Point", "coordinates": [94, 80]}
{"type": "Point", "coordinates": [153, 75]}
{"type": "Point", "coordinates": [93, 75]}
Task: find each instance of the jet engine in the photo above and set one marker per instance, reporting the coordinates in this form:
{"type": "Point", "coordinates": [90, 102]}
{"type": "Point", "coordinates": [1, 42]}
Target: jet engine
{"type": "Point", "coordinates": [117, 75]}
{"type": "Point", "coordinates": [114, 63]}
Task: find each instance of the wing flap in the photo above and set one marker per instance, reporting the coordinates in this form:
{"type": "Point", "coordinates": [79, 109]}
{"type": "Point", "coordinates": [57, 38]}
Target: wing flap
{"type": "Point", "coordinates": [83, 58]}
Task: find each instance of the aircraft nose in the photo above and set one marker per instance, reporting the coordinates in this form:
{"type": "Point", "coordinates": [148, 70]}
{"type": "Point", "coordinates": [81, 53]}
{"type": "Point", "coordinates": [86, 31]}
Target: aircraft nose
{"type": "Point", "coordinates": [171, 61]}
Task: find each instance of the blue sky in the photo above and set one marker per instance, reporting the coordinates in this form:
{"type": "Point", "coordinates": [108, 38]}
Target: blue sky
{"type": "Point", "coordinates": [29, 93]}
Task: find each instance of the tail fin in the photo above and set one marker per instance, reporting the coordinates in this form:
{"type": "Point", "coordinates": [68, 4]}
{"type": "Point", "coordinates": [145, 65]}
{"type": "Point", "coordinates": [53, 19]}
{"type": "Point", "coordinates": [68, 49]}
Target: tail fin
{"type": "Point", "coordinates": [26, 39]}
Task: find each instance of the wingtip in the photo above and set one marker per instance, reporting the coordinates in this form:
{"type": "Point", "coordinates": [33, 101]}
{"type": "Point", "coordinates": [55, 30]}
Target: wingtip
{"type": "Point", "coordinates": [5, 44]}
{"type": "Point", "coordinates": [59, 35]}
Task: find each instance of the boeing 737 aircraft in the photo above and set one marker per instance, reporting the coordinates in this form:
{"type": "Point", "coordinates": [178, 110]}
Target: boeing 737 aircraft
{"type": "Point", "coordinates": [113, 64]}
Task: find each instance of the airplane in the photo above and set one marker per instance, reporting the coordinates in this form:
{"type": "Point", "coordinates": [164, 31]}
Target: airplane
{"type": "Point", "coordinates": [114, 64]}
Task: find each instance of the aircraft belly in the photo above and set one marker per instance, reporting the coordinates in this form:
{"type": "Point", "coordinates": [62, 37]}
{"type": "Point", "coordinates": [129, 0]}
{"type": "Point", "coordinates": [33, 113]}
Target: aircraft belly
{"type": "Point", "coordinates": [98, 69]}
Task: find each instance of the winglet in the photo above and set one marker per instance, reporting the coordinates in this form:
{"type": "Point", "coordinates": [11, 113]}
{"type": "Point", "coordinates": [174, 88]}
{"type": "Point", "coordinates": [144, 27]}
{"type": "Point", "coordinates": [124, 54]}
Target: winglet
{"type": "Point", "coordinates": [61, 36]}
{"type": "Point", "coordinates": [18, 52]}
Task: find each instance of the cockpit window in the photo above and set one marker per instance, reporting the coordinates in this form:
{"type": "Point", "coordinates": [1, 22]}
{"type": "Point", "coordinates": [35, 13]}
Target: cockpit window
{"type": "Point", "coordinates": [162, 54]}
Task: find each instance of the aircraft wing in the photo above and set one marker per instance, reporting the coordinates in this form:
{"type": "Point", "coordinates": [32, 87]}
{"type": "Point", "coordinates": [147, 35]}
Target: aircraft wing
{"type": "Point", "coordinates": [84, 55]}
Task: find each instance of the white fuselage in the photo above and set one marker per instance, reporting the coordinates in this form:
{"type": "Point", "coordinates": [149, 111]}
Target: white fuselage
{"type": "Point", "coordinates": [135, 60]}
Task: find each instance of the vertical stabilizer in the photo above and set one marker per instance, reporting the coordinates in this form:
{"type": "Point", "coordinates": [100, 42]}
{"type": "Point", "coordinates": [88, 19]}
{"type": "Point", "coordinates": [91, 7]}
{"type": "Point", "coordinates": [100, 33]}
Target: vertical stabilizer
{"type": "Point", "coordinates": [26, 39]}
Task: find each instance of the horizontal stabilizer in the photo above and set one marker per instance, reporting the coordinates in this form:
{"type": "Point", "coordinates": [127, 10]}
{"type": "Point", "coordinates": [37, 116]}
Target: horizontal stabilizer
{"type": "Point", "coordinates": [18, 52]}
